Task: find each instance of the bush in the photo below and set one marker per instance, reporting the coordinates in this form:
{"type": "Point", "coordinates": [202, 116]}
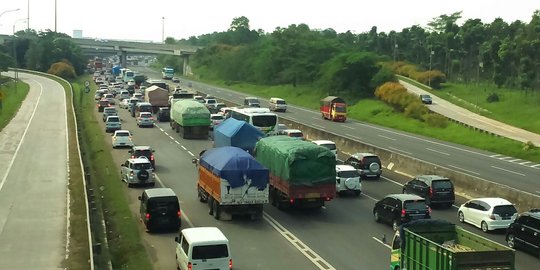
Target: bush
{"type": "Point", "coordinates": [62, 69]}
{"type": "Point", "coordinates": [528, 146]}
{"type": "Point", "coordinates": [416, 110]}
{"type": "Point", "coordinates": [436, 120]}
{"type": "Point", "coordinates": [493, 97]}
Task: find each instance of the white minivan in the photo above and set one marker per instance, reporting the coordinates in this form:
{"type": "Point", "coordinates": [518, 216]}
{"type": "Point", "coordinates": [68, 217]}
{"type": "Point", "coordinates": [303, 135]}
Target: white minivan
{"type": "Point", "coordinates": [328, 144]}
{"type": "Point", "coordinates": [277, 104]}
{"type": "Point", "coordinates": [202, 248]}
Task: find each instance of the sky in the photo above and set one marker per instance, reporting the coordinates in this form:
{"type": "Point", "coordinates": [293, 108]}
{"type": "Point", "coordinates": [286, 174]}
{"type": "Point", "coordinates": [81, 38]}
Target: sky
{"type": "Point", "coordinates": [145, 20]}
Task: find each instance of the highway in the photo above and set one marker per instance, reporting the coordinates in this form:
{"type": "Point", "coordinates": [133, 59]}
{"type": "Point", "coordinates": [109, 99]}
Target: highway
{"type": "Point", "coordinates": [342, 235]}
{"type": "Point", "coordinates": [33, 180]}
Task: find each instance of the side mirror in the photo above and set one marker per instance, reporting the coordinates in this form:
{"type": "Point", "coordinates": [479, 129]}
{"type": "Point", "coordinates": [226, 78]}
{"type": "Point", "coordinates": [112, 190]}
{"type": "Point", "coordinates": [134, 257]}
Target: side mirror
{"type": "Point", "coordinates": [122, 165]}
{"type": "Point", "coordinates": [195, 161]}
{"type": "Point", "coordinates": [177, 239]}
{"type": "Point", "coordinates": [130, 151]}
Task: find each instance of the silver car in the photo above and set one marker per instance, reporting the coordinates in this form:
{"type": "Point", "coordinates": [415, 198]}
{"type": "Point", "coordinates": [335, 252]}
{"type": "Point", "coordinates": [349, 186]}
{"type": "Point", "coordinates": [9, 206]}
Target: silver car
{"type": "Point", "coordinates": [122, 138]}
{"type": "Point", "coordinates": [145, 119]}
{"type": "Point", "coordinates": [137, 171]}
{"type": "Point", "coordinates": [112, 123]}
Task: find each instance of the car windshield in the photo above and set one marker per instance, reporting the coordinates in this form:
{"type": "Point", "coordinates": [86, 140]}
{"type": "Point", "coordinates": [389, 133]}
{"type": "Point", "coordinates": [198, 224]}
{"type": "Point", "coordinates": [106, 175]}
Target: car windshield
{"type": "Point", "coordinates": [330, 146]}
{"type": "Point", "coordinates": [504, 210]}
{"type": "Point", "coordinates": [264, 120]}
{"type": "Point", "coordinates": [142, 166]}
{"type": "Point", "coordinates": [349, 174]}
{"type": "Point", "coordinates": [442, 184]}
{"type": "Point", "coordinates": [414, 205]}
{"type": "Point", "coordinates": [296, 134]}
{"type": "Point", "coordinates": [210, 252]}
{"type": "Point", "coordinates": [281, 102]}
{"type": "Point", "coordinates": [341, 109]}
{"type": "Point", "coordinates": [211, 101]}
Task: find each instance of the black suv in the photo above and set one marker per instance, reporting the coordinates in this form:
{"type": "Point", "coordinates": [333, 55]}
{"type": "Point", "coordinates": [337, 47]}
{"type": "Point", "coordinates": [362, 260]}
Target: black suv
{"type": "Point", "coordinates": [397, 209]}
{"type": "Point", "coordinates": [144, 151]}
{"type": "Point", "coordinates": [163, 114]}
{"type": "Point", "coordinates": [524, 232]}
{"type": "Point", "coordinates": [435, 189]}
{"type": "Point", "coordinates": [367, 164]}
{"type": "Point", "coordinates": [160, 209]}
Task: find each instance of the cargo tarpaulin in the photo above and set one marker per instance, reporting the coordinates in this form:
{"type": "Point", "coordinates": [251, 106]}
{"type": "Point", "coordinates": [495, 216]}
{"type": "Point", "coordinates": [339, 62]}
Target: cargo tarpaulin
{"type": "Point", "coordinates": [232, 132]}
{"type": "Point", "coordinates": [190, 113]}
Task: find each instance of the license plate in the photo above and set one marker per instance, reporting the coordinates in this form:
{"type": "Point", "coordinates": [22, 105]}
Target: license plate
{"type": "Point", "coordinates": [313, 195]}
{"type": "Point", "coordinates": [311, 200]}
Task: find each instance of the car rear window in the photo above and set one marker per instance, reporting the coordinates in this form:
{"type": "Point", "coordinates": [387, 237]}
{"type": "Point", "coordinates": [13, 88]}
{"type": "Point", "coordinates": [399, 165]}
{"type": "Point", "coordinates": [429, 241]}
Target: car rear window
{"type": "Point", "coordinates": [145, 153]}
{"type": "Point", "coordinates": [113, 119]}
{"type": "Point", "coordinates": [122, 134]}
{"type": "Point", "coordinates": [349, 174]}
{"type": "Point", "coordinates": [330, 146]}
{"type": "Point", "coordinates": [210, 252]}
{"type": "Point", "coordinates": [370, 159]}
{"type": "Point", "coordinates": [442, 184]}
{"type": "Point", "coordinates": [296, 134]}
{"type": "Point", "coordinates": [504, 210]}
{"type": "Point", "coordinates": [415, 205]}
{"type": "Point", "coordinates": [281, 102]}
{"type": "Point", "coordinates": [217, 117]}
{"type": "Point", "coordinates": [164, 205]}
{"type": "Point", "coordinates": [142, 166]}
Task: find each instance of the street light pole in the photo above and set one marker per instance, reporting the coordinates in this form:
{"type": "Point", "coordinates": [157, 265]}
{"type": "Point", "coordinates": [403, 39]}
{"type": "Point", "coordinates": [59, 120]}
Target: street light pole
{"type": "Point", "coordinates": [55, 14]}
{"type": "Point", "coordinates": [11, 10]}
{"type": "Point", "coordinates": [15, 23]}
{"type": "Point", "coordinates": [163, 29]}
{"type": "Point", "coordinates": [431, 52]}
{"type": "Point", "coordinates": [28, 16]}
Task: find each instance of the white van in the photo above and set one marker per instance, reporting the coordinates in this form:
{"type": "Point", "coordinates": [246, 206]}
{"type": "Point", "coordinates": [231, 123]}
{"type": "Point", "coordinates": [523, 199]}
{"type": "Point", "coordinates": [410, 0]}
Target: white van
{"type": "Point", "coordinates": [328, 144]}
{"type": "Point", "coordinates": [348, 180]}
{"type": "Point", "coordinates": [202, 248]}
{"type": "Point", "coordinates": [277, 104]}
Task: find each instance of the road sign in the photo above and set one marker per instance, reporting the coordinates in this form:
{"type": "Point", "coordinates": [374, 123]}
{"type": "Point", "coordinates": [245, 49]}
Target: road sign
{"type": "Point", "coordinates": [87, 83]}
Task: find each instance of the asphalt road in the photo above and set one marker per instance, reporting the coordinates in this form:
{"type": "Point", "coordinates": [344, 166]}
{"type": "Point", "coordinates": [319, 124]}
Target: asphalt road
{"type": "Point", "coordinates": [33, 180]}
{"type": "Point", "coordinates": [509, 171]}
{"type": "Point", "coordinates": [342, 235]}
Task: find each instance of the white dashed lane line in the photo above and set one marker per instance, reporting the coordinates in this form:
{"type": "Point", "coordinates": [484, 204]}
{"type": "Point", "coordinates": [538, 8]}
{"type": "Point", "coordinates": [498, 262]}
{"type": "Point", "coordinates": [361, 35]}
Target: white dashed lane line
{"type": "Point", "coordinates": [401, 151]}
{"type": "Point", "coordinates": [461, 169]}
{"type": "Point", "coordinates": [388, 138]}
{"type": "Point", "coordinates": [506, 170]}
{"type": "Point", "coordinates": [437, 151]}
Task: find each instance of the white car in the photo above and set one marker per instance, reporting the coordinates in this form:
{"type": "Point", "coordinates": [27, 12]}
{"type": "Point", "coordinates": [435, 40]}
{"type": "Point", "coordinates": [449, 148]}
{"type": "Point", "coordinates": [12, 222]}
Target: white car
{"type": "Point", "coordinates": [488, 213]}
{"type": "Point", "coordinates": [347, 180]}
{"type": "Point", "coordinates": [110, 98]}
{"type": "Point", "coordinates": [145, 119]}
{"type": "Point", "coordinates": [122, 138]}
{"type": "Point", "coordinates": [216, 119]}
{"type": "Point", "coordinates": [124, 104]}
{"type": "Point", "coordinates": [328, 144]}
{"type": "Point", "coordinates": [295, 133]}
{"type": "Point", "coordinates": [123, 95]}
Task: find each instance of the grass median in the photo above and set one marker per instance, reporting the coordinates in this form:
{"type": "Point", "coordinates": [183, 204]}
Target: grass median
{"type": "Point", "coordinates": [12, 96]}
{"type": "Point", "coordinates": [379, 113]}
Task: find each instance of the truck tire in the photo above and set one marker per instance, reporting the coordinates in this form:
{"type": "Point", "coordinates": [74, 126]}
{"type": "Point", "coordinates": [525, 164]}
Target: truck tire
{"type": "Point", "coordinates": [271, 196]}
{"type": "Point", "coordinates": [210, 202]}
{"type": "Point", "coordinates": [217, 210]}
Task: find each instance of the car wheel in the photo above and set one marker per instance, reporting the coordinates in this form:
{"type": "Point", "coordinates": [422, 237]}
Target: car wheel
{"type": "Point", "coordinates": [217, 210]}
{"type": "Point", "coordinates": [357, 193]}
{"type": "Point", "coordinates": [376, 216]}
{"type": "Point", "coordinates": [510, 240]}
{"type": "Point", "coordinates": [461, 217]}
{"type": "Point", "coordinates": [484, 226]}
{"type": "Point", "coordinates": [404, 191]}
{"type": "Point", "coordinates": [395, 225]}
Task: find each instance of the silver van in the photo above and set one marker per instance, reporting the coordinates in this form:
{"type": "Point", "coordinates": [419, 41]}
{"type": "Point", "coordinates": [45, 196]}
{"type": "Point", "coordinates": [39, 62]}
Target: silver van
{"type": "Point", "coordinates": [203, 248]}
{"type": "Point", "coordinates": [277, 105]}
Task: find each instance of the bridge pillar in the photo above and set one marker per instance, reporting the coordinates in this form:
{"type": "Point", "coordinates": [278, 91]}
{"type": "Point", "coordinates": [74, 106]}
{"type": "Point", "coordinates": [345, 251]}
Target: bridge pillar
{"type": "Point", "coordinates": [186, 70]}
{"type": "Point", "coordinates": [123, 58]}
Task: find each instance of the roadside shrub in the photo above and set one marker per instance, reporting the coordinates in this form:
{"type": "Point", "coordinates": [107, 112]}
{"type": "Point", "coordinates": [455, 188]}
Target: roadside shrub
{"type": "Point", "coordinates": [493, 97]}
{"type": "Point", "coordinates": [415, 110]}
{"type": "Point", "coordinates": [436, 120]}
{"type": "Point", "coordinates": [528, 146]}
{"type": "Point", "coordinates": [62, 69]}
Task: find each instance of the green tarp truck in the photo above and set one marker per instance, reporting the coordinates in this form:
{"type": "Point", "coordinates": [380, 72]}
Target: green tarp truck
{"type": "Point", "coordinates": [191, 119]}
{"type": "Point", "coordinates": [301, 173]}
{"type": "Point", "coordinates": [438, 244]}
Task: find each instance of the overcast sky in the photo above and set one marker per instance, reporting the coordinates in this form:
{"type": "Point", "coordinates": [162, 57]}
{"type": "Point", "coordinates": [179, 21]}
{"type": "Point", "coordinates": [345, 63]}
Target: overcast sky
{"type": "Point", "coordinates": [142, 19]}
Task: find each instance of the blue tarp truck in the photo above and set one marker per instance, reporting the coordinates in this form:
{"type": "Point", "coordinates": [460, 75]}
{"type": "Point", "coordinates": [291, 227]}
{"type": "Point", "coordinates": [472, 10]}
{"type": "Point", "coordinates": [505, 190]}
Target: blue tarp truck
{"type": "Point", "coordinates": [232, 182]}
{"type": "Point", "coordinates": [232, 132]}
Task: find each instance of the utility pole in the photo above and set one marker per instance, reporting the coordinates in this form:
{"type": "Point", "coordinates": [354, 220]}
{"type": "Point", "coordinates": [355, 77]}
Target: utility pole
{"type": "Point", "coordinates": [55, 14]}
{"type": "Point", "coordinates": [431, 52]}
{"type": "Point", "coordinates": [163, 29]}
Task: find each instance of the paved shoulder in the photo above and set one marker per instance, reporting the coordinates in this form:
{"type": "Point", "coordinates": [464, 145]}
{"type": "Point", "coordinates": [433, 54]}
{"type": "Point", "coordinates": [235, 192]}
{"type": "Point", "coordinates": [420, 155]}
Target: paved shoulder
{"type": "Point", "coordinates": [33, 180]}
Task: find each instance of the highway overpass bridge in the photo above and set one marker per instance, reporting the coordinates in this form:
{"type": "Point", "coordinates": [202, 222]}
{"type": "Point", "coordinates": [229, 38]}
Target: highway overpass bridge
{"type": "Point", "coordinates": [123, 48]}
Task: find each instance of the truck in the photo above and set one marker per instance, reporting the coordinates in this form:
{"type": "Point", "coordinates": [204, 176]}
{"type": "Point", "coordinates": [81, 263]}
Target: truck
{"type": "Point", "coordinates": [191, 119]}
{"type": "Point", "coordinates": [333, 108]}
{"type": "Point", "coordinates": [157, 96]}
{"type": "Point", "coordinates": [302, 173]}
{"type": "Point", "coordinates": [178, 95]}
{"type": "Point", "coordinates": [232, 182]}
{"type": "Point", "coordinates": [432, 244]}
{"type": "Point", "coordinates": [232, 132]}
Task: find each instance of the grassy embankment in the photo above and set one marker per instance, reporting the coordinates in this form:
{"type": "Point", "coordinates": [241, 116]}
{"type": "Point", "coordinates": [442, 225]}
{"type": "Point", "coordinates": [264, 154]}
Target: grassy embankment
{"type": "Point", "coordinates": [124, 242]}
{"type": "Point", "coordinates": [13, 96]}
{"type": "Point", "coordinates": [377, 112]}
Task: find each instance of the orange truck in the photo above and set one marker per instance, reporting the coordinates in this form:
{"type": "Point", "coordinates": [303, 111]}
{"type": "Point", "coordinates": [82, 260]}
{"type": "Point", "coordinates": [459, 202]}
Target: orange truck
{"type": "Point", "coordinates": [334, 108]}
{"type": "Point", "coordinates": [232, 182]}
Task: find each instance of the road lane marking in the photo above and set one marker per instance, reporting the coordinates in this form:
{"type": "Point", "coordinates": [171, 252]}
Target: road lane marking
{"type": "Point", "coordinates": [317, 126]}
{"type": "Point", "coordinates": [351, 136]}
{"type": "Point", "coordinates": [319, 262]}
{"type": "Point", "coordinates": [382, 136]}
{"type": "Point", "coordinates": [506, 170]}
{"type": "Point", "coordinates": [390, 165]}
{"type": "Point", "coordinates": [504, 158]}
{"type": "Point", "coordinates": [534, 166]}
{"type": "Point", "coordinates": [189, 152]}
{"type": "Point", "coordinates": [381, 242]}
{"type": "Point", "coordinates": [317, 118]}
{"type": "Point", "coordinates": [22, 138]}
{"type": "Point", "coordinates": [402, 173]}
{"type": "Point", "coordinates": [524, 163]}
{"type": "Point", "coordinates": [399, 150]}
{"type": "Point", "coordinates": [165, 132]}
{"type": "Point", "coordinates": [514, 160]}
{"type": "Point", "coordinates": [349, 127]}
{"type": "Point", "coordinates": [436, 151]}
{"type": "Point", "coordinates": [183, 147]}
{"type": "Point", "coordinates": [461, 169]}
{"type": "Point", "coordinates": [171, 137]}
{"type": "Point", "coordinates": [495, 156]}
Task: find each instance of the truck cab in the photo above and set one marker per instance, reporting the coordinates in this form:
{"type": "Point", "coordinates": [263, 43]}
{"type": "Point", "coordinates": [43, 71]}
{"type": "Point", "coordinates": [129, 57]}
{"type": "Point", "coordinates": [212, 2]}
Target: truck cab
{"type": "Point", "coordinates": [333, 108]}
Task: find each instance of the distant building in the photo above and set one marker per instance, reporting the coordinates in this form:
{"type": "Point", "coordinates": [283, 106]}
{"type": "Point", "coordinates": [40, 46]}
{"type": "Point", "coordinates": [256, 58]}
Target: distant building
{"type": "Point", "coordinates": [77, 34]}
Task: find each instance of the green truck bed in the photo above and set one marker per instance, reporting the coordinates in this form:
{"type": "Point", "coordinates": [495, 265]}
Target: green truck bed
{"type": "Point", "coordinates": [440, 245]}
{"type": "Point", "coordinates": [190, 113]}
{"type": "Point", "coordinates": [295, 161]}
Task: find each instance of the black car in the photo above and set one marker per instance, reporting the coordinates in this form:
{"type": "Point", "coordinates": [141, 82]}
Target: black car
{"type": "Point", "coordinates": [144, 151]}
{"type": "Point", "coordinates": [426, 99]}
{"type": "Point", "coordinates": [397, 209]}
{"type": "Point", "coordinates": [367, 164]}
{"type": "Point", "coordinates": [524, 232]}
{"type": "Point", "coordinates": [160, 209]}
{"type": "Point", "coordinates": [435, 189]}
{"type": "Point", "coordinates": [163, 114]}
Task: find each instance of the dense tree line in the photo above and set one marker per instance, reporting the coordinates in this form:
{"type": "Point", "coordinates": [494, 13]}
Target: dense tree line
{"type": "Point", "coordinates": [505, 54]}
{"type": "Point", "coordinates": [46, 51]}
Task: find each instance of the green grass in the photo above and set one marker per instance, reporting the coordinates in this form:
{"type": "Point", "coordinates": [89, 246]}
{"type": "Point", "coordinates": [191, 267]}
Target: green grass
{"type": "Point", "coordinates": [377, 112]}
{"type": "Point", "coordinates": [125, 245]}
{"type": "Point", "coordinates": [13, 96]}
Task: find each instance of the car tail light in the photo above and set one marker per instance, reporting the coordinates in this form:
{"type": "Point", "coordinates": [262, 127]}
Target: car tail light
{"type": "Point", "coordinates": [403, 213]}
{"type": "Point", "coordinates": [152, 157]}
{"type": "Point", "coordinates": [179, 213]}
{"type": "Point", "coordinates": [189, 266]}
{"type": "Point", "coordinates": [291, 200]}
{"type": "Point", "coordinates": [230, 263]}
{"type": "Point", "coordinates": [429, 210]}
{"type": "Point", "coordinates": [131, 173]}
{"type": "Point", "coordinates": [327, 199]}
{"type": "Point", "coordinates": [132, 156]}
{"type": "Point", "coordinates": [147, 216]}
{"type": "Point", "coordinates": [492, 217]}
{"type": "Point", "coordinates": [430, 192]}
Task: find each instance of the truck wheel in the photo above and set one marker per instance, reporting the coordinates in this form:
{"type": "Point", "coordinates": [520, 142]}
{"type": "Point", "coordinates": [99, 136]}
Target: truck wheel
{"type": "Point", "coordinates": [357, 193]}
{"type": "Point", "coordinates": [217, 210]}
{"type": "Point", "coordinates": [271, 197]}
{"type": "Point", "coordinates": [210, 202]}
{"type": "Point", "coordinates": [376, 216]}
{"type": "Point", "coordinates": [510, 240]}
